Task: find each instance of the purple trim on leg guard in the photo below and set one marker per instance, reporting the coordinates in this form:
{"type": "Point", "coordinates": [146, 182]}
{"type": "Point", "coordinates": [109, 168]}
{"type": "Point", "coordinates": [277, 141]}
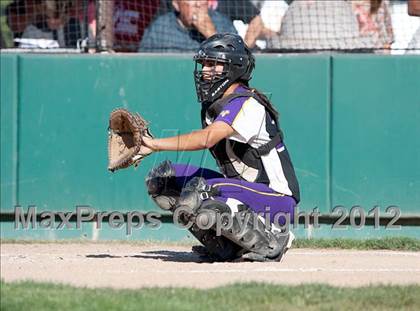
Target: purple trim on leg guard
{"type": "Point", "coordinates": [257, 197]}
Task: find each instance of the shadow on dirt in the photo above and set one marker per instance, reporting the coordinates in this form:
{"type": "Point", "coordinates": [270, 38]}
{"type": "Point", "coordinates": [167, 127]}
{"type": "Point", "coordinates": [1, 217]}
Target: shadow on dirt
{"type": "Point", "coordinates": [164, 255]}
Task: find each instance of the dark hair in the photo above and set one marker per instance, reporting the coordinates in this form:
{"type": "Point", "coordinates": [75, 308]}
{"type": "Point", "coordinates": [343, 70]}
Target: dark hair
{"type": "Point", "coordinates": [270, 106]}
{"type": "Point", "coordinates": [374, 6]}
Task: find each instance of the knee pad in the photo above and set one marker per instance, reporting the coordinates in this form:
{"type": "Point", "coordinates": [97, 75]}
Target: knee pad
{"type": "Point", "coordinates": [161, 185]}
{"type": "Point", "coordinates": [191, 195]}
{"type": "Point", "coordinates": [247, 230]}
{"type": "Point", "coordinates": [196, 203]}
{"type": "Point", "coordinates": [160, 178]}
{"type": "Point", "coordinates": [195, 192]}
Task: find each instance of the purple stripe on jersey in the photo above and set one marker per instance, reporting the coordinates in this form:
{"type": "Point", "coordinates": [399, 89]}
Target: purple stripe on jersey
{"type": "Point", "coordinates": [278, 146]}
{"type": "Point", "coordinates": [231, 110]}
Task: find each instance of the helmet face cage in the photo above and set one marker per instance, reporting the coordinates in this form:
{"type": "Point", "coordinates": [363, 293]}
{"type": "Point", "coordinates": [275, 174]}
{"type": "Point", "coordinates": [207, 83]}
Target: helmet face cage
{"type": "Point", "coordinates": [207, 82]}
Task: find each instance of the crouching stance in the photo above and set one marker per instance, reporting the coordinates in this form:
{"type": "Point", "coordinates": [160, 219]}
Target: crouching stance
{"type": "Point", "coordinates": [212, 208]}
{"type": "Point", "coordinates": [238, 212]}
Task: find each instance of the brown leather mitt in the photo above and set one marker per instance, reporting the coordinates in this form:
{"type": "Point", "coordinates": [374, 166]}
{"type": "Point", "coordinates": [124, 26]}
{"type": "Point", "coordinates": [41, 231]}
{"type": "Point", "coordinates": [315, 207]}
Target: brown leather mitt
{"type": "Point", "coordinates": [125, 140]}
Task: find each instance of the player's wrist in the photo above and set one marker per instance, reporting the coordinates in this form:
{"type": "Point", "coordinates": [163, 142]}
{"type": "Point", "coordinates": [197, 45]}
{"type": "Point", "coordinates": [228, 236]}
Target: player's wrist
{"type": "Point", "coordinates": [150, 143]}
{"type": "Point", "coordinates": [154, 145]}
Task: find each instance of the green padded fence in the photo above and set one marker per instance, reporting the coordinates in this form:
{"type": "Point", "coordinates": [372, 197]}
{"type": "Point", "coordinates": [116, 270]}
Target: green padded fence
{"type": "Point", "coordinates": [352, 125]}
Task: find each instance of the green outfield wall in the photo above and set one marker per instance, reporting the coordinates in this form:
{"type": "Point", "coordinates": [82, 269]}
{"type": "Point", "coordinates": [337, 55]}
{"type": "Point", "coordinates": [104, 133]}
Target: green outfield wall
{"type": "Point", "coordinates": [351, 122]}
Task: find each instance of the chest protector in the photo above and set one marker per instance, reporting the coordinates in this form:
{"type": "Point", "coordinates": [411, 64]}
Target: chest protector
{"type": "Point", "coordinates": [227, 150]}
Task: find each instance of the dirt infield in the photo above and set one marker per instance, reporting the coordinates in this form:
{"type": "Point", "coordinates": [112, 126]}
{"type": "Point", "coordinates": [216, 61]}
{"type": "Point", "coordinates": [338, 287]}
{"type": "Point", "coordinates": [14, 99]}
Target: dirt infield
{"type": "Point", "coordinates": [133, 266]}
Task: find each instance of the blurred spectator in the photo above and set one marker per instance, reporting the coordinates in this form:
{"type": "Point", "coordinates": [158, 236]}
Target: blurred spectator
{"type": "Point", "coordinates": [184, 28]}
{"type": "Point", "coordinates": [244, 11]}
{"type": "Point", "coordinates": [374, 21]}
{"type": "Point", "coordinates": [319, 25]}
{"type": "Point", "coordinates": [2, 42]}
{"type": "Point", "coordinates": [414, 10]}
{"type": "Point", "coordinates": [91, 26]}
{"type": "Point", "coordinates": [272, 13]}
{"type": "Point", "coordinates": [54, 22]}
{"type": "Point", "coordinates": [131, 18]}
{"type": "Point", "coordinates": [20, 14]}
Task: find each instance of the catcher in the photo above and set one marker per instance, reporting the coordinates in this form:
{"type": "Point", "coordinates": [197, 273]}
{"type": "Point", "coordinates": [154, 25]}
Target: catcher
{"type": "Point", "coordinates": [240, 128]}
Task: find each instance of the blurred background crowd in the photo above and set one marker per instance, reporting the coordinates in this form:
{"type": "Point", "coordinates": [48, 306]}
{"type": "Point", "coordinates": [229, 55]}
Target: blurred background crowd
{"type": "Point", "coordinates": [376, 26]}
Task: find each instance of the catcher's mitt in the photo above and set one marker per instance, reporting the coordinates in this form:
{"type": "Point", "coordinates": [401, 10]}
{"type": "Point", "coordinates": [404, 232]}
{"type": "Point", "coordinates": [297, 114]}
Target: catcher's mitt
{"type": "Point", "coordinates": [125, 140]}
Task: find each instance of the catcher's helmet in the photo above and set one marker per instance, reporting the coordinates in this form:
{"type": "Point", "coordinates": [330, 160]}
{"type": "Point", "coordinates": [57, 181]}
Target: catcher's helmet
{"type": "Point", "coordinates": [238, 62]}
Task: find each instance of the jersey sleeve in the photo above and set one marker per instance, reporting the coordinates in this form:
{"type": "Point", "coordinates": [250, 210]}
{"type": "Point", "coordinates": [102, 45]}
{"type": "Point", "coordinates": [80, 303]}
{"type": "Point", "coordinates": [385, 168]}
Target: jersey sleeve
{"type": "Point", "coordinates": [245, 115]}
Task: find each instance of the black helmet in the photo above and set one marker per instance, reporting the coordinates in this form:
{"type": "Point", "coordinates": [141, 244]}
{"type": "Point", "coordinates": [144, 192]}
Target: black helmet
{"type": "Point", "coordinates": [238, 62]}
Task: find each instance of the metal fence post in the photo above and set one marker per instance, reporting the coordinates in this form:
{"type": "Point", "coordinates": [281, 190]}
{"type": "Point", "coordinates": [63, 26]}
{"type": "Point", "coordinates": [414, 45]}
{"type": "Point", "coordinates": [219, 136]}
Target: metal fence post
{"type": "Point", "coordinates": [104, 25]}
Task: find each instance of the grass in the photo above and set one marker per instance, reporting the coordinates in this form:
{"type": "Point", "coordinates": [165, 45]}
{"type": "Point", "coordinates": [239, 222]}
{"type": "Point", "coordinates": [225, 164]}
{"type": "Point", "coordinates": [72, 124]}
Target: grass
{"type": "Point", "coordinates": [250, 296]}
{"type": "Point", "coordinates": [388, 243]}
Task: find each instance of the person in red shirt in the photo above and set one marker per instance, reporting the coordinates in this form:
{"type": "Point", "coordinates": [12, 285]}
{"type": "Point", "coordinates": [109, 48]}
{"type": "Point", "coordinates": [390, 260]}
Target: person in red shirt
{"type": "Point", "coordinates": [131, 18]}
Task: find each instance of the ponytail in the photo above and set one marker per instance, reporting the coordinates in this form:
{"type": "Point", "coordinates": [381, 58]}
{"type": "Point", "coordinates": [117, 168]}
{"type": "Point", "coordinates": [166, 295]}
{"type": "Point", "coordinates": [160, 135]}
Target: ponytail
{"type": "Point", "coordinates": [269, 105]}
